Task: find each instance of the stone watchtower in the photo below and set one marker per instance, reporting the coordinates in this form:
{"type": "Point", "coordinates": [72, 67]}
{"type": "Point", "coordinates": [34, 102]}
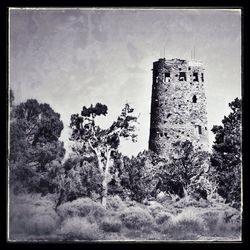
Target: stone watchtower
{"type": "Point", "coordinates": [178, 108]}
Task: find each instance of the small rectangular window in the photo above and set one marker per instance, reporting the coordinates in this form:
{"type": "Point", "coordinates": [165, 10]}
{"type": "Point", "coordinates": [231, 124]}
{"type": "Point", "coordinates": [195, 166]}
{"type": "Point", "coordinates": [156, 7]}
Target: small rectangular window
{"type": "Point", "coordinates": [195, 75]}
{"type": "Point", "coordinates": [198, 127]}
{"type": "Point", "coordinates": [202, 77]}
{"type": "Point", "coordinates": [167, 77]}
{"type": "Point", "coordinates": [182, 76]}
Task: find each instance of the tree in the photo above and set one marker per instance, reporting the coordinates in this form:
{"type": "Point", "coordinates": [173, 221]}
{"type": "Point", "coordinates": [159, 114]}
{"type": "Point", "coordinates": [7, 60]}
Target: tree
{"type": "Point", "coordinates": [78, 177]}
{"type": "Point", "coordinates": [139, 176]}
{"type": "Point", "coordinates": [34, 142]}
{"type": "Point", "coordinates": [226, 158]}
{"type": "Point", "coordinates": [183, 169]}
{"type": "Point", "coordinates": [102, 142]}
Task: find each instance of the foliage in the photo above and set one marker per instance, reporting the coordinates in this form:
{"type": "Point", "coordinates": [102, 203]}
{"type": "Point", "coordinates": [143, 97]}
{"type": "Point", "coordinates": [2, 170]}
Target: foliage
{"type": "Point", "coordinates": [227, 157]}
{"type": "Point", "coordinates": [40, 224]}
{"type": "Point", "coordinates": [136, 218]}
{"type": "Point", "coordinates": [115, 203]}
{"type": "Point", "coordinates": [78, 228]}
{"type": "Point", "coordinates": [89, 137]}
{"type": "Point", "coordinates": [144, 176]}
{"type": "Point", "coordinates": [162, 217]}
{"type": "Point", "coordinates": [34, 145]}
{"type": "Point", "coordinates": [137, 177]}
{"type": "Point", "coordinates": [184, 226]}
{"type": "Point", "coordinates": [81, 207]}
{"type": "Point", "coordinates": [79, 177]}
{"type": "Point", "coordinates": [32, 214]}
{"type": "Point", "coordinates": [84, 219]}
{"type": "Point", "coordinates": [111, 224]}
{"type": "Point", "coordinates": [184, 169]}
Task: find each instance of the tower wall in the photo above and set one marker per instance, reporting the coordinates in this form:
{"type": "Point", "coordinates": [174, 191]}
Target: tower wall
{"type": "Point", "coordinates": [178, 107]}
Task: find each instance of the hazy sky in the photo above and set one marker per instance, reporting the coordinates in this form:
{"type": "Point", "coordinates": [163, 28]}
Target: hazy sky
{"type": "Point", "coordinates": [75, 57]}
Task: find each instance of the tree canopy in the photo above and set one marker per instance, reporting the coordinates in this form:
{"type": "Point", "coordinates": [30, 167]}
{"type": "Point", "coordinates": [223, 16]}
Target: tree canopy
{"type": "Point", "coordinates": [227, 157]}
{"type": "Point", "coordinates": [34, 142]}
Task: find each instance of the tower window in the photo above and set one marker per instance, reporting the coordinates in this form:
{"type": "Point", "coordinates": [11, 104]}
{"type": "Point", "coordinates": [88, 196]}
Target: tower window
{"type": "Point", "coordinates": [194, 99]}
{"type": "Point", "coordinates": [167, 77]}
{"type": "Point", "coordinates": [202, 77]}
{"type": "Point", "coordinates": [198, 129]}
{"type": "Point", "coordinates": [165, 134]}
{"type": "Point", "coordinates": [169, 115]}
{"type": "Point", "coordinates": [182, 76]}
{"type": "Point", "coordinates": [195, 75]}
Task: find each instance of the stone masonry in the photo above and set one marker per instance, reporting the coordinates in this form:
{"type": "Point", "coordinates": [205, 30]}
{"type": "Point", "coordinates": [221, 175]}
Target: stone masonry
{"type": "Point", "coordinates": [178, 108]}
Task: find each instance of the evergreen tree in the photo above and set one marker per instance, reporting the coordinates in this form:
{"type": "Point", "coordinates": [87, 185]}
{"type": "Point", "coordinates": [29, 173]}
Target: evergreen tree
{"type": "Point", "coordinates": [227, 156]}
{"type": "Point", "coordinates": [34, 143]}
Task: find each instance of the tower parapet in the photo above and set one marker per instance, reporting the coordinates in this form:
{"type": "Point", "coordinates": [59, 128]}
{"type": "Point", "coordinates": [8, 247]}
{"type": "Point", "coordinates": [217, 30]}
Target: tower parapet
{"type": "Point", "coordinates": [178, 105]}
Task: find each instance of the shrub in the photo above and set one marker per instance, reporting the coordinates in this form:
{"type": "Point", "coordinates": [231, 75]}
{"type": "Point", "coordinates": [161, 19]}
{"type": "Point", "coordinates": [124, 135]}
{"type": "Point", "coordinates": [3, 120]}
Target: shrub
{"type": "Point", "coordinates": [185, 222]}
{"type": "Point", "coordinates": [77, 228]}
{"type": "Point", "coordinates": [40, 224]}
{"type": "Point", "coordinates": [81, 207]}
{"type": "Point", "coordinates": [155, 208]}
{"type": "Point", "coordinates": [210, 219]}
{"type": "Point", "coordinates": [31, 214]}
{"type": "Point", "coordinates": [183, 203]}
{"type": "Point", "coordinates": [162, 217]}
{"type": "Point", "coordinates": [111, 224]}
{"type": "Point", "coordinates": [115, 203]}
{"type": "Point", "coordinates": [222, 223]}
{"type": "Point", "coordinates": [136, 218]}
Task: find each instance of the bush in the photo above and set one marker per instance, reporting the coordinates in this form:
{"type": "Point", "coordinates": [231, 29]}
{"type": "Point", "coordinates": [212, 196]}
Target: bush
{"type": "Point", "coordinates": [115, 203]}
{"type": "Point", "coordinates": [183, 203]}
{"type": "Point", "coordinates": [31, 214]}
{"type": "Point", "coordinates": [155, 208]}
{"type": "Point", "coordinates": [185, 222]}
{"type": "Point", "coordinates": [222, 223]}
{"type": "Point", "coordinates": [81, 207]}
{"type": "Point", "coordinates": [162, 217]}
{"type": "Point", "coordinates": [41, 224]}
{"type": "Point", "coordinates": [136, 218]}
{"type": "Point", "coordinates": [77, 228]}
{"type": "Point", "coordinates": [111, 224]}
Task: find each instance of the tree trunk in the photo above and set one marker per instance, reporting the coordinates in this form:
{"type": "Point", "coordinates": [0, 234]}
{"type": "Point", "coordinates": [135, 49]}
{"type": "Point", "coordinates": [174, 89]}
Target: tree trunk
{"type": "Point", "coordinates": [105, 192]}
{"type": "Point", "coordinates": [105, 181]}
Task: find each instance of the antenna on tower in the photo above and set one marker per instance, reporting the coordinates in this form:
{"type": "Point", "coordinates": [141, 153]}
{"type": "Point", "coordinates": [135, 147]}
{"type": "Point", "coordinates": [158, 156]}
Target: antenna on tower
{"type": "Point", "coordinates": [194, 52]}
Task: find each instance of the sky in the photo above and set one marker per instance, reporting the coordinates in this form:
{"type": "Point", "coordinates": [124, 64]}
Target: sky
{"type": "Point", "coordinates": [70, 58]}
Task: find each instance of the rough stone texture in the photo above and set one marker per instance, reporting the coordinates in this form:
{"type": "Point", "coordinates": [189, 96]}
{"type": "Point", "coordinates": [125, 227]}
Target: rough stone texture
{"type": "Point", "coordinates": [178, 108]}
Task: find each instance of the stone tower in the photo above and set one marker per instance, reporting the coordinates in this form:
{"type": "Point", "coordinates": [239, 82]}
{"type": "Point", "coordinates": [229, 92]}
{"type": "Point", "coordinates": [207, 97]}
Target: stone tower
{"type": "Point", "coordinates": [178, 108]}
